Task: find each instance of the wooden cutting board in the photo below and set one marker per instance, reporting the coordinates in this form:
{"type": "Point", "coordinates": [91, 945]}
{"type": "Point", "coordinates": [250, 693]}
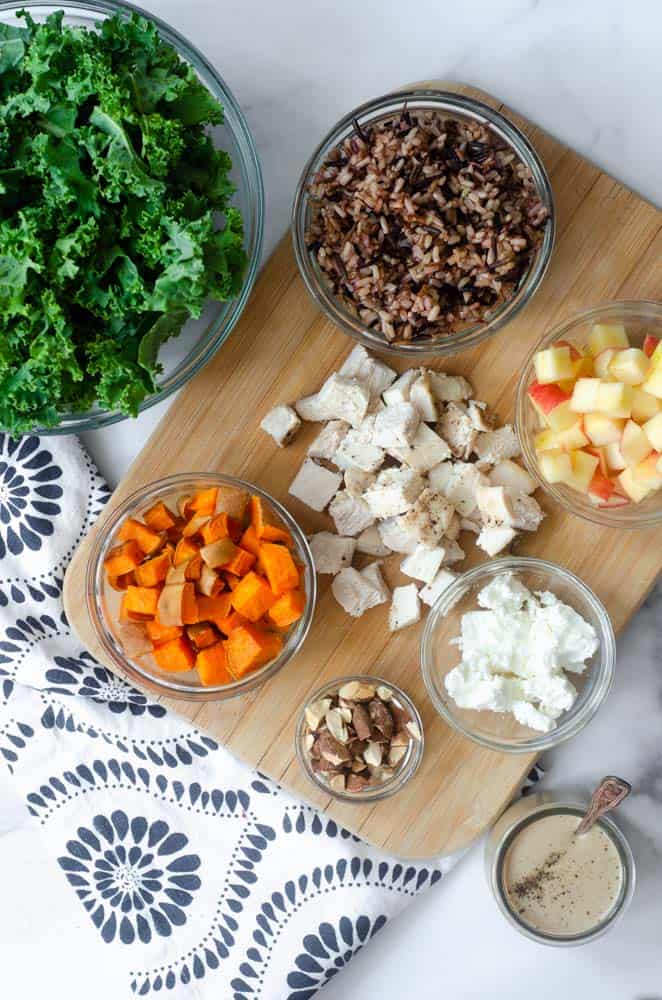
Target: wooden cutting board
{"type": "Point", "coordinates": [609, 247]}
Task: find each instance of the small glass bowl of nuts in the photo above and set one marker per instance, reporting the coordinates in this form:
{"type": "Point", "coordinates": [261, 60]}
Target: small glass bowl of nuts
{"type": "Point", "coordinates": [359, 738]}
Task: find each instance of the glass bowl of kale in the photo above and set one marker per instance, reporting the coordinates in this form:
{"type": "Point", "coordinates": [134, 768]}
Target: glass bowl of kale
{"type": "Point", "coordinates": [131, 213]}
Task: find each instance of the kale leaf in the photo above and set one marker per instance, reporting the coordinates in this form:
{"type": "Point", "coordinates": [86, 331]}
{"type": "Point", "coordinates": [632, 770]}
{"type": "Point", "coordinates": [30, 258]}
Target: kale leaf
{"type": "Point", "coordinates": [116, 222]}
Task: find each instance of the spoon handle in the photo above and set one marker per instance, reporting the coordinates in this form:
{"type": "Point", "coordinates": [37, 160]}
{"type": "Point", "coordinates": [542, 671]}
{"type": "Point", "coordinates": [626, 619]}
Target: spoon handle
{"type": "Point", "coordinates": [610, 792]}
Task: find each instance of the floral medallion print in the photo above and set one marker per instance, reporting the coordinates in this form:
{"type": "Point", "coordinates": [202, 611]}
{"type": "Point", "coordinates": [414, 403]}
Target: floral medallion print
{"type": "Point", "coordinates": [133, 877]}
{"type": "Point", "coordinates": [83, 676]}
{"type": "Point", "coordinates": [29, 494]}
{"type": "Point", "coordinates": [327, 951]}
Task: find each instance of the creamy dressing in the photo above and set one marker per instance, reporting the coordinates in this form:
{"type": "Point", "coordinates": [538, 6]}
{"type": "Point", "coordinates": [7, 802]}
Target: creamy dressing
{"type": "Point", "coordinates": [558, 883]}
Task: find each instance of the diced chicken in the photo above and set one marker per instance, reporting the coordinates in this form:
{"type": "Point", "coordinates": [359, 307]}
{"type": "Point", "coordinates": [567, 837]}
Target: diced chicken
{"type": "Point", "coordinates": [495, 506]}
{"type": "Point", "coordinates": [512, 477]}
{"type": "Point", "coordinates": [314, 485]}
{"type": "Point", "coordinates": [471, 523]}
{"type": "Point", "coordinates": [399, 391]}
{"type": "Point", "coordinates": [453, 530]}
{"type": "Point", "coordinates": [395, 426]}
{"type": "Point", "coordinates": [370, 542]}
{"type": "Point", "coordinates": [457, 429]}
{"type": "Point", "coordinates": [357, 481]}
{"type": "Point", "coordinates": [393, 492]}
{"type": "Point", "coordinates": [450, 388]}
{"type": "Point", "coordinates": [351, 515]}
{"type": "Point", "coordinates": [328, 441]}
{"type": "Point", "coordinates": [429, 518]}
{"type": "Point", "coordinates": [405, 607]}
{"type": "Point", "coordinates": [345, 399]}
{"type": "Point", "coordinates": [354, 451]}
{"type": "Point", "coordinates": [441, 476]}
{"type": "Point", "coordinates": [459, 484]}
{"type": "Point", "coordinates": [495, 539]}
{"type": "Point", "coordinates": [453, 553]}
{"type": "Point", "coordinates": [331, 553]}
{"type": "Point", "coordinates": [282, 423]}
{"type": "Point", "coordinates": [426, 450]}
{"type": "Point", "coordinates": [423, 398]}
{"type": "Point", "coordinates": [527, 513]}
{"type": "Point", "coordinates": [423, 564]}
{"type": "Point", "coordinates": [354, 593]}
{"type": "Point", "coordinates": [494, 446]}
{"type": "Point", "coordinates": [477, 413]}
{"type": "Point", "coordinates": [431, 593]}
{"type": "Point", "coordinates": [312, 408]}
{"type": "Point", "coordinates": [376, 375]}
{"type": "Point", "coordinates": [397, 537]}
{"type": "Point", "coordinates": [373, 575]}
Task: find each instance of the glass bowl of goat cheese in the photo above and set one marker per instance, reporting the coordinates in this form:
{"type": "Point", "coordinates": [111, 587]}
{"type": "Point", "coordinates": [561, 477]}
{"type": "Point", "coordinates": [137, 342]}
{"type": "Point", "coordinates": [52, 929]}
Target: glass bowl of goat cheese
{"type": "Point", "coordinates": [518, 655]}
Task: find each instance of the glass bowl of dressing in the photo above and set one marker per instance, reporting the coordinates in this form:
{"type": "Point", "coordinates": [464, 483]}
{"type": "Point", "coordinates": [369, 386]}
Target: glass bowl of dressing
{"type": "Point", "coordinates": [554, 886]}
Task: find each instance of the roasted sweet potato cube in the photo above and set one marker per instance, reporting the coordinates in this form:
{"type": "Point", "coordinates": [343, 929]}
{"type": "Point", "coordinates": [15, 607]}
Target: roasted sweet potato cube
{"type": "Point", "coordinates": [250, 541]}
{"type": "Point", "coordinates": [204, 501]}
{"type": "Point", "coordinates": [231, 621]}
{"type": "Point", "coordinates": [123, 558]}
{"type": "Point", "coordinates": [148, 540]}
{"type": "Point", "coordinates": [141, 600]}
{"type": "Point", "coordinates": [202, 634]}
{"type": "Point", "coordinates": [279, 567]}
{"type": "Point", "coordinates": [272, 533]}
{"type": "Point", "coordinates": [177, 605]}
{"type": "Point", "coordinates": [240, 563]}
{"type": "Point", "coordinates": [218, 553]}
{"type": "Point", "coordinates": [215, 528]}
{"type": "Point", "coordinates": [252, 597]}
{"type": "Point", "coordinates": [249, 647]}
{"type": "Point", "coordinates": [212, 665]}
{"type": "Point", "coordinates": [153, 571]}
{"type": "Point", "coordinates": [159, 517]}
{"type": "Point", "coordinates": [159, 633]}
{"type": "Point", "coordinates": [175, 655]}
{"type": "Point", "coordinates": [123, 581]}
{"type": "Point", "coordinates": [231, 500]}
{"type": "Point", "coordinates": [194, 525]}
{"type": "Point", "coordinates": [185, 550]}
{"type": "Point", "coordinates": [287, 609]}
{"type": "Point", "coordinates": [214, 609]}
{"type": "Point", "coordinates": [193, 568]}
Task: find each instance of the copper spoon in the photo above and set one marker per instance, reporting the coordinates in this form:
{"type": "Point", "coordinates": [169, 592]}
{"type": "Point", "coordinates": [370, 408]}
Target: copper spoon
{"type": "Point", "coordinates": [610, 793]}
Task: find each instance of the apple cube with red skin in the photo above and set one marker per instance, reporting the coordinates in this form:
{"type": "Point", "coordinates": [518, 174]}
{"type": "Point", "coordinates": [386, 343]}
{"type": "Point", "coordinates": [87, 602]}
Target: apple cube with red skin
{"type": "Point", "coordinates": [644, 406]}
{"type": "Point", "coordinates": [648, 470]}
{"type": "Point", "coordinates": [653, 383]}
{"type": "Point", "coordinates": [607, 335]}
{"type": "Point", "coordinates": [636, 489]}
{"type": "Point", "coordinates": [583, 468]}
{"type": "Point", "coordinates": [600, 489]}
{"type": "Point", "coordinates": [553, 365]}
{"type": "Point", "coordinates": [653, 431]}
{"type": "Point", "coordinates": [629, 366]}
{"type": "Point", "coordinates": [635, 445]}
{"type": "Point", "coordinates": [600, 454]}
{"type": "Point", "coordinates": [555, 466]}
{"type": "Point", "coordinates": [615, 460]}
{"type": "Point", "coordinates": [601, 429]}
{"type": "Point", "coordinates": [649, 345]}
{"type": "Point", "coordinates": [546, 398]}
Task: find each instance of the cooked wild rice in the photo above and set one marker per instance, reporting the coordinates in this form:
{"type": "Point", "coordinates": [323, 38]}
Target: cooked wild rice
{"type": "Point", "coordinates": [422, 224]}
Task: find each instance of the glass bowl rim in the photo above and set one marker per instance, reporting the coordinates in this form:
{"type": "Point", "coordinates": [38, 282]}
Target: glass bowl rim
{"type": "Point", "coordinates": [410, 762]}
{"type": "Point", "coordinates": [471, 336]}
{"type": "Point", "coordinates": [601, 678]}
{"type": "Point", "coordinates": [75, 423]}
{"type": "Point", "coordinates": [606, 517]}
{"type": "Point", "coordinates": [94, 573]}
{"type": "Point", "coordinates": [627, 860]}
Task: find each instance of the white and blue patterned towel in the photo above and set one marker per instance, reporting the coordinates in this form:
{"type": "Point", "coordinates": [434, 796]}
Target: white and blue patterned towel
{"type": "Point", "coordinates": [202, 876]}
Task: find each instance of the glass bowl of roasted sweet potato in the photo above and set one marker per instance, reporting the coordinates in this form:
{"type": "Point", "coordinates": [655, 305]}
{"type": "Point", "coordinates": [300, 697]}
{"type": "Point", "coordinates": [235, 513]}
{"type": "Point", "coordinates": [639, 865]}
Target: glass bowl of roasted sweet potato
{"type": "Point", "coordinates": [200, 586]}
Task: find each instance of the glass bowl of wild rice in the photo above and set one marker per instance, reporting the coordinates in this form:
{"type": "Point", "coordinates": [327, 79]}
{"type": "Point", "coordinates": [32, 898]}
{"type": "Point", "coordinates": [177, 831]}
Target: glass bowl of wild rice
{"type": "Point", "coordinates": [423, 223]}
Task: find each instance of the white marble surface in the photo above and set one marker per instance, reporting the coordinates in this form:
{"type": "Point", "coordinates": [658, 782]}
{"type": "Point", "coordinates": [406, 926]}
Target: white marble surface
{"type": "Point", "coordinates": [591, 73]}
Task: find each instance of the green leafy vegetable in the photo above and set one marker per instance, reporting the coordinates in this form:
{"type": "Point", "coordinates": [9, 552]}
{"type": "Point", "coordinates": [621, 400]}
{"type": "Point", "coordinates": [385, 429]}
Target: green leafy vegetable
{"type": "Point", "coordinates": [111, 192]}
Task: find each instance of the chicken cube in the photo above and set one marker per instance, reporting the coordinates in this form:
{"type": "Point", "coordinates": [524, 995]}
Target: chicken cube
{"type": "Point", "coordinates": [395, 426]}
{"type": "Point", "coordinates": [495, 539]}
{"type": "Point", "coordinates": [449, 388]}
{"type": "Point", "coordinates": [432, 591]}
{"type": "Point", "coordinates": [393, 492]}
{"type": "Point", "coordinates": [527, 513]}
{"type": "Point", "coordinates": [282, 423]}
{"type": "Point", "coordinates": [351, 515]}
{"type": "Point", "coordinates": [493, 446]}
{"type": "Point", "coordinates": [314, 485]}
{"type": "Point", "coordinates": [457, 429]}
{"type": "Point", "coordinates": [328, 441]}
{"type": "Point", "coordinates": [373, 575]}
{"type": "Point", "coordinates": [401, 388]}
{"type": "Point", "coordinates": [374, 374]}
{"type": "Point", "coordinates": [357, 481]}
{"type": "Point", "coordinates": [330, 552]}
{"type": "Point", "coordinates": [405, 608]}
{"type": "Point", "coordinates": [514, 479]}
{"type": "Point", "coordinates": [354, 451]}
{"type": "Point", "coordinates": [354, 593]}
{"type": "Point", "coordinates": [429, 518]}
{"type": "Point", "coordinates": [423, 564]}
{"type": "Point", "coordinates": [426, 450]}
{"type": "Point", "coordinates": [423, 398]}
{"type": "Point", "coordinates": [370, 542]}
{"type": "Point", "coordinates": [397, 537]}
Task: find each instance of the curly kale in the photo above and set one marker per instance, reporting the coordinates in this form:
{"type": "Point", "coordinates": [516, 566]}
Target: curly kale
{"type": "Point", "coordinates": [111, 191]}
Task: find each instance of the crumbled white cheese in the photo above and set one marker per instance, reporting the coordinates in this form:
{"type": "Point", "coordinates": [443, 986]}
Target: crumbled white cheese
{"type": "Point", "coordinates": [351, 515]}
{"type": "Point", "coordinates": [328, 440]}
{"type": "Point", "coordinates": [405, 607]}
{"type": "Point", "coordinates": [314, 485]}
{"type": "Point", "coordinates": [282, 423]}
{"type": "Point", "coordinates": [330, 552]}
{"type": "Point", "coordinates": [423, 564]}
{"type": "Point", "coordinates": [515, 652]}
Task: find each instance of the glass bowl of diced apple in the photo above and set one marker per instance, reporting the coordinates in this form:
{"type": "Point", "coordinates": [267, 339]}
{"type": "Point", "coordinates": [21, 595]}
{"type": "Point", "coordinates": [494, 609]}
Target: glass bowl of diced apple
{"type": "Point", "coordinates": [589, 414]}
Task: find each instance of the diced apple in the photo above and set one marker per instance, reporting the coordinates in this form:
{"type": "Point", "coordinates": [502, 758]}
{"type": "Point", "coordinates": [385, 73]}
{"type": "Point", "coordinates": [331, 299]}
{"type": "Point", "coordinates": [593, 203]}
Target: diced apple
{"type": "Point", "coordinates": [600, 488]}
{"type": "Point", "coordinates": [555, 466]}
{"type": "Point", "coordinates": [553, 365]}
{"type": "Point", "coordinates": [636, 489]}
{"type": "Point", "coordinates": [602, 362]}
{"type": "Point", "coordinates": [630, 366]}
{"type": "Point", "coordinates": [545, 441]}
{"type": "Point", "coordinates": [616, 499]}
{"type": "Point", "coordinates": [650, 343]}
{"type": "Point", "coordinates": [572, 438]}
{"type": "Point", "coordinates": [615, 399]}
{"type": "Point", "coordinates": [656, 356]}
{"type": "Point", "coordinates": [600, 454]}
{"type": "Point", "coordinates": [583, 468]}
{"type": "Point", "coordinates": [561, 417]}
{"type": "Point", "coordinates": [546, 398]}
{"type": "Point", "coordinates": [653, 383]}
{"type": "Point", "coordinates": [647, 471]}
{"type": "Point", "coordinates": [653, 431]}
{"type": "Point", "coordinates": [644, 406]}
{"type": "Point", "coordinates": [606, 335]}
{"type": "Point", "coordinates": [601, 429]}
{"type": "Point", "coordinates": [615, 460]}
{"type": "Point", "coordinates": [575, 355]}
{"type": "Point", "coordinates": [634, 443]}
{"type": "Point", "coordinates": [585, 395]}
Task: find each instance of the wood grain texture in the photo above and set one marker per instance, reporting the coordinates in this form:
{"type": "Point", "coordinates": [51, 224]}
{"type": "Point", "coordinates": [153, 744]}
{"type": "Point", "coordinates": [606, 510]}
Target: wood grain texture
{"type": "Point", "coordinates": [609, 246]}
